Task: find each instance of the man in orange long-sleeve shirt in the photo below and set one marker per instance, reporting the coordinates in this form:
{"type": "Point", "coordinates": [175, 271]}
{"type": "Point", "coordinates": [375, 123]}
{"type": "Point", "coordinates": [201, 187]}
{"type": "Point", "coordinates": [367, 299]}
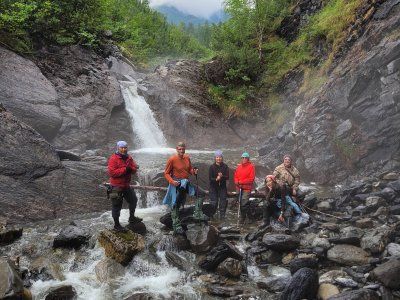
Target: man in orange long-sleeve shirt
{"type": "Point", "coordinates": [244, 180]}
{"type": "Point", "coordinates": [177, 172]}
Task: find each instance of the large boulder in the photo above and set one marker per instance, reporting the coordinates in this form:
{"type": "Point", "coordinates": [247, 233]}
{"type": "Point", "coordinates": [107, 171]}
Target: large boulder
{"type": "Point", "coordinates": [11, 285]}
{"type": "Point", "coordinates": [65, 292]}
{"type": "Point", "coordinates": [219, 254]}
{"type": "Point", "coordinates": [202, 237]}
{"type": "Point", "coordinates": [28, 94]}
{"type": "Point", "coordinates": [388, 273]}
{"type": "Point", "coordinates": [121, 246]}
{"type": "Point", "coordinates": [281, 242]}
{"type": "Point", "coordinates": [348, 255]}
{"type": "Point", "coordinates": [303, 285]}
{"type": "Point", "coordinates": [375, 240]}
{"type": "Point", "coordinates": [71, 236]}
{"type": "Point", "coordinates": [276, 280]}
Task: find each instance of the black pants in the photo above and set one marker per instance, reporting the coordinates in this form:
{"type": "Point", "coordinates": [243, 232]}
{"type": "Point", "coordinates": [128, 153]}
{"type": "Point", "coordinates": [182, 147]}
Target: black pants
{"type": "Point", "coordinates": [269, 210]}
{"type": "Point", "coordinates": [117, 198]}
{"type": "Point", "coordinates": [218, 196]}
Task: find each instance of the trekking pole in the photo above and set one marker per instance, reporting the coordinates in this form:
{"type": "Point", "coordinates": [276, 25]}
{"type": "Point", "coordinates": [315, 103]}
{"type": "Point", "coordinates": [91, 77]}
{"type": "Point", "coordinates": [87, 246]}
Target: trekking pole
{"type": "Point", "coordinates": [239, 206]}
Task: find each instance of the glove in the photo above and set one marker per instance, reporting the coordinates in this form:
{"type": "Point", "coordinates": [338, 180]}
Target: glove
{"type": "Point", "coordinates": [128, 169]}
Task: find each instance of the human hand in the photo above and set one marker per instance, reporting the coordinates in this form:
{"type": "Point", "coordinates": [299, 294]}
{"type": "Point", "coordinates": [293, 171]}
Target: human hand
{"type": "Point", "coordinates": [281, 218]}
{"type": "Point", "coordinates": [195, 171]}
{"type": "Point", "coordinates": [175, 183]}
{"type": "Point", "coordinates": [294, 193]}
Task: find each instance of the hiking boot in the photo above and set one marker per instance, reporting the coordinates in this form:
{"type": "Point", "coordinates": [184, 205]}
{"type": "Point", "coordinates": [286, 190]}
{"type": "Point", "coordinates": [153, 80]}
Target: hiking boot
{"type": "Point", "coordinates": [198, 214]}
{"type": "Point", "coordinates": [134, 220]}
{"type": "Point", "coordinates": [119, 228]}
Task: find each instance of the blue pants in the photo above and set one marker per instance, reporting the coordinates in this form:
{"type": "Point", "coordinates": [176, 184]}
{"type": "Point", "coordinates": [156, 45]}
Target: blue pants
{"type": "Point", "coordinates": [294, 205]}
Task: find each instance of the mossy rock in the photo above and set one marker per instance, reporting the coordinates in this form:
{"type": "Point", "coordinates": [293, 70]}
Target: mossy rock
{"type": "Point", "coordinates": [121, 246]}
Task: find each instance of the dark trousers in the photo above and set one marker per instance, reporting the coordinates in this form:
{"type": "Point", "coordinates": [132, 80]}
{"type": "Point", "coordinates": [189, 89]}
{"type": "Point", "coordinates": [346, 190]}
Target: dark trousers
{"type": "Point", "coordinates": [117, 198]}
{"type": "Point", "coordinates": [218, 198]}
{"type": "Point", "coordinates": [269, 210]}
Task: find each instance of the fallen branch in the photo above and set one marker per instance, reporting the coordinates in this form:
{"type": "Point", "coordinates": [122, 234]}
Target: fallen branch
{"type": "Point", "coordinates": [322, 213]}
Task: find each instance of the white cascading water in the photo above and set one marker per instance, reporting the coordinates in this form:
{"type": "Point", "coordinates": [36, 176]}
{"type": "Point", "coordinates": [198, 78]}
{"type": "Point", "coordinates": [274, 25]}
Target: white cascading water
{"type": "Point", "coordinates": [143, 122]}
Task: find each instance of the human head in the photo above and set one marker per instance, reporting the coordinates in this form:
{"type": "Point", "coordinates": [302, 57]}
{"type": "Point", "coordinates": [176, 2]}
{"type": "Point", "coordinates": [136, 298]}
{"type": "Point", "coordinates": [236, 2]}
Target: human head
{"type": "Point", "coordinates": [181, 148]}
{"type": "Point", "coordinates": [122, 147]}
{"type": "Point", "coordinates": [218, 156]}
{"type": "Point", "coordinates": [270, 180]}
{"type": "Point", "coordinates": [245, 157]}
{"type": "Point", "coordinates": [287, 161]}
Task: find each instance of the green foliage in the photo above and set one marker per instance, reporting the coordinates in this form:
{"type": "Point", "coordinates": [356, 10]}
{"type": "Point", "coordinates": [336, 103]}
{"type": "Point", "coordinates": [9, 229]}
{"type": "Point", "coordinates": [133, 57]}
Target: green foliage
{"type": "Point", "coordinates": [140, 31]}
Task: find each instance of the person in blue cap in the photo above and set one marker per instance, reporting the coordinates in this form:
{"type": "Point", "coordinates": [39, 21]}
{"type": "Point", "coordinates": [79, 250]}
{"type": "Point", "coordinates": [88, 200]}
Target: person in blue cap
{"type": "Point", "coordinates": [121, 166]}
{"type": "Point", "coordinates": [218, 174]}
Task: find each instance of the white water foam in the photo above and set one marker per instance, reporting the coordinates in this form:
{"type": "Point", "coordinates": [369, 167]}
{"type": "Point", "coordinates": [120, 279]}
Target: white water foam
{"type": "Point", "coordinates": [143, 122]}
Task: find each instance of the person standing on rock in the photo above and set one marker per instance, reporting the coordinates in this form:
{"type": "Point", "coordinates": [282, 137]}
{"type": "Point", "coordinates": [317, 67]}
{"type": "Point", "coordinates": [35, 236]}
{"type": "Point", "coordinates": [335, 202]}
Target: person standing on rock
{"type": "Point", "coordinates": [287, 174]}
{"type": "Point", "coordinates": [121, 166]}
{"type": "Point", "coordinates": [177, 172]}
{"type": "Point", "coordinates": [245, 174]}
{"type": "Point", "coordinates": [218, 174]}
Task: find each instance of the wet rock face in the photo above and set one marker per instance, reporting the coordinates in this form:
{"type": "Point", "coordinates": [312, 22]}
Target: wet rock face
{"type": "Point", "coordinates": [361, 294]}
{"type": "Point", "coordinates": [219, 254]}
{"type": "Point", "coordinates": [28, 94]}
{"type": "Point", "coordinates": [177, 261]}
{"type": "Point", "coordinates": [230, 267]}
{"type": "Point", "coordinates": [121, 246]}
{"type": "Point", "coordinates": [108, 269]}
{"type": "Point", "coordinates": [304, 285]}
{"type": "Point", "coordinates": [349, 97]}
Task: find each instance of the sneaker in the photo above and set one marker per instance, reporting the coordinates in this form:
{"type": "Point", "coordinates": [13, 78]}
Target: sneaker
{"type": "Point", "coordinates": [134, 220]}
{"type": "Point", "coordinates": [119, 228]}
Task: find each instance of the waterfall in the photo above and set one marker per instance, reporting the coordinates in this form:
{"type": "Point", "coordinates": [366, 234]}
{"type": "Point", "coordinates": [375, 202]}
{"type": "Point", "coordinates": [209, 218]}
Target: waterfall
{"type": "Point", "coordinates": [143, 122]}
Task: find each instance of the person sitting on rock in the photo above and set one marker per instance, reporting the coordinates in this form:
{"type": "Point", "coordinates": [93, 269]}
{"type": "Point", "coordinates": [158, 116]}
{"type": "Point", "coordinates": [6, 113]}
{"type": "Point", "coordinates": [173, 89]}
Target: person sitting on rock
{"type": "Point", "coordinates": [287, 174]}
{"type": "Point", "coordinates": [244, 180]}
{"type": "Point", "coordinates": [218, 174]}
{"type": "Point", "coordinates": [273, 204]}
{"type": "Point", "coordinates": [177, 172]}
{"type": "Point", "coordinates": [121, 166]}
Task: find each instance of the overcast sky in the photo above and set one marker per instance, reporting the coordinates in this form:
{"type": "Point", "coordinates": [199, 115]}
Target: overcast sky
{"type": "Point", "coordinates": [203, 8]}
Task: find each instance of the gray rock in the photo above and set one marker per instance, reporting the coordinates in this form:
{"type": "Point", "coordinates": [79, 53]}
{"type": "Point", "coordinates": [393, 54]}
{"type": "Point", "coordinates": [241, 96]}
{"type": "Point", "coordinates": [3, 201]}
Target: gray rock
{"type": "Point", "coordinates": [26, 92]}
{"type": "Point", "coordinates": [304, 284]}
{"type": "Point", "coordinates": [276, 280]}
{"type": "Point", "coordinates": [71, 237]}
{"type": "Point", "coordinates": [201, 237]}
{"type": "Point", "coordinates": [395, 209]}
{"type": "Point", "coordinates": [230, 267]}
{"type": "Point", "coordinates": [177, 261]}
{"type": "Point", "coordinates": [388, 273]}
{"type": "Point", "coordinates": [348, 255]}
{"type": "Point", "coordinates": [321, 242]}
{"type": "Point", "coordinates": [375, 240]}
{"type": "Point", "coordinates": [281, 242]}
{"type": "Point", "coordinates": [306, 262]}
{"type": "Point", "coordinates": [108, 270]}
{"type": "Point", "coordinates": [343, 128]}
{"type": "Point", "coordinates": [11, 285]}
{"type": "Point", "coordinates": [219, 254]}
{"type": "Point", "coordinates": [224, 291]}
{"type": "Point", "coordinates": [327, 290]}
{"type": "Point", "coordinates": [330, 276]}
{"type": "Point", "coordinates": [346, 282]}
{"type": "Point", "coordinates": [373, 202]}
{"type": "Point", "coordinates": [395, 185]}
{"type": "Point", "coordinates": [9, 235]}
{"type": "Point", "coordinates": [361, 294]}
{"type": "Point", "coordinates": [65, 292]}
{"type": "Point", "coordinates": [393, 249]}
{"type": "Point", "coordinates": [348, 235]}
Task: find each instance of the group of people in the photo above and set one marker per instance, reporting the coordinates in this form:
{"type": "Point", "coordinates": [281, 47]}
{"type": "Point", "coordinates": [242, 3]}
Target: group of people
{"type": "Point", "coordinates": [282, 187]}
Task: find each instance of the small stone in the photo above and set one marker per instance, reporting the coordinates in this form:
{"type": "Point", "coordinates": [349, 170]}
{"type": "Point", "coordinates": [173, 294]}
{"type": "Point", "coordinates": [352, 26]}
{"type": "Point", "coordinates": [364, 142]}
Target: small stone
{"type": "Point", "coordinates": [306, 262]}
{"type": "Point", "coordinates": [281, 242]}
{"type": "Point", "coordinates": [391, 176]}
{"type": "Point", "coordinates": [108, 269]}
{"type": "Point", "coordinates": [330, 276]}
{"type": "Point", "coordinates": [327, 290]}
{"type": "Point", "coordinates": [324, 206]}
{"type": "Point", "coordinates": [201, 237]}
{"type": "Point", "coordinates": [361, 294]}
{"type": "Point", "coordinates": [71, 236]}
{"type": "Point", "coordinates": [364, 223]}
{"type": "Point", "coordinates": [9, 235]}
{"type": "Point", "coordinates": [276, 280]}
{"type": "Point", "coordinates": [395, 209]}
{"type": "Point", "coordinates": [288, 258]}
{"type": "Point", "coordinates": [346, 282]}
{"type": "Point", "coordinates": [177, 261]}
{"type": "Point", "coordinates": [330, 226]}
{"type": "Point", "coordinates": [321, 242]}
{"type": "Point", "coordinates": [393, 249]}
{"type": "Point", "coordinates": [375, 240]}
{"type": "Point", "coordinates": [224, 291]}
{"type": "Point", "coordinates": [374, 202]}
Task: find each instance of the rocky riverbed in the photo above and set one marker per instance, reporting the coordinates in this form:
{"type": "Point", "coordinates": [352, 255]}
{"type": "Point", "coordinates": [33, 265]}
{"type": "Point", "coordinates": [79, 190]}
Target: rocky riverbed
{"type": "Point", "coordinates": [350, 251]}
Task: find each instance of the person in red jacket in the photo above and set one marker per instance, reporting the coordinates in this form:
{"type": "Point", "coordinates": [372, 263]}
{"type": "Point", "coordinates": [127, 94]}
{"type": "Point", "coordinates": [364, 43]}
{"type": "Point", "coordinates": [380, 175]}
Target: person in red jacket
{"type": "Point", "coordinates": [245, 174]}
{"type": "Point", "coordinates": [121, 166]}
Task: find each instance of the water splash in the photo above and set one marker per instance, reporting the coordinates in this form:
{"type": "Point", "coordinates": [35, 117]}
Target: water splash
{"type": "Point", "coordinates": [143, 122]}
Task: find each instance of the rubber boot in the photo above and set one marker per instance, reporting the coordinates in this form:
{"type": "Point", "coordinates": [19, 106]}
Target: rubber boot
{"type": "Point", "coordinates": [118, 227]}
{"type": "Point", "coordinates": [198, 214]}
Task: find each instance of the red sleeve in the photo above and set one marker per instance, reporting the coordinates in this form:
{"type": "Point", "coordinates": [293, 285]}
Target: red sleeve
{"type": "Point", "coordinates": [114, 170]}
{"type": "Point", "coordinates": [250, 176]}
{"type": "Point", "coordinates": [168, 170]}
